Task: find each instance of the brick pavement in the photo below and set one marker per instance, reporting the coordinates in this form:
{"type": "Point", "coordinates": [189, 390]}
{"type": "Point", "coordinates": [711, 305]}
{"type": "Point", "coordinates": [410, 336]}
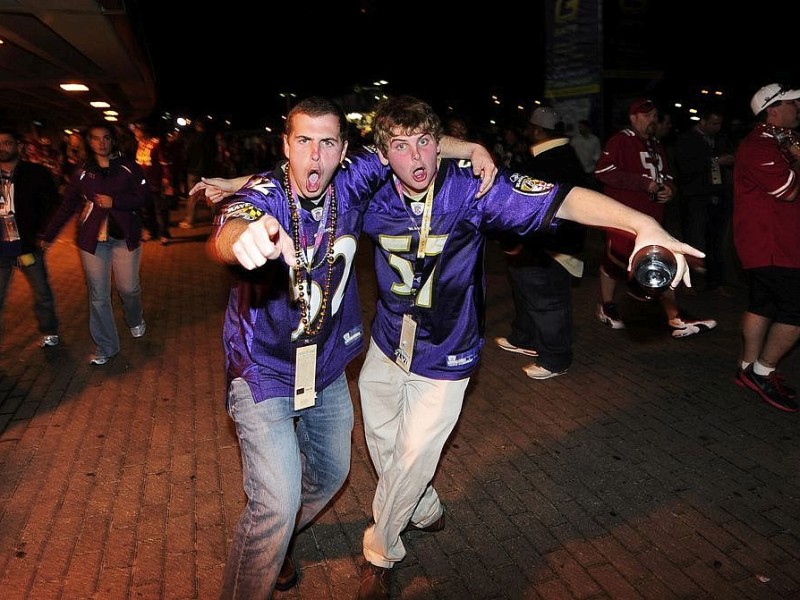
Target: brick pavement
{"type": "Point", "coordinates": [642, 473]}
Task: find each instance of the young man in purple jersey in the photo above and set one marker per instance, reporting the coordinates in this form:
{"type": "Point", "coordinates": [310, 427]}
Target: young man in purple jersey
{"type": "Point", "coordinates": [290, 329]}
{"type": "Point", "coordinates": [429, 232]}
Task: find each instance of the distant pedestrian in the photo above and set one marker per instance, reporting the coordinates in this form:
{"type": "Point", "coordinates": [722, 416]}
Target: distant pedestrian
{"type": "Point", "coordinates": [541, 267]}
{"type": "Point", "coordinates": [106, 193]}
{"type": "Point", "coordinates": [200, 154]}
{"type": "Point", "coordinates": [27, 197]}
{"type": "Point", "coordinates": [150, 156]}
{"type": "Point", "coordinates": [457, 127]}
{"type": "Point", "coordinates": [704, 161]}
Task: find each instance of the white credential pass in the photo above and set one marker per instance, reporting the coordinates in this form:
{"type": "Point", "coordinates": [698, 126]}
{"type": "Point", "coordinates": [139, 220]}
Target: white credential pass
{"type": "Point", "coordinates": [305, 373]}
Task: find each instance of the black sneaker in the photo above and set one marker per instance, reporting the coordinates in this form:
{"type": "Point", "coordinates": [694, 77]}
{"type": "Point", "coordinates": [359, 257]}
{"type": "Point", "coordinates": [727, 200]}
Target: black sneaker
{"type": "Point", "coordinates": [769, 387]}
{"type": "Point", "coordinates": [779, 378]}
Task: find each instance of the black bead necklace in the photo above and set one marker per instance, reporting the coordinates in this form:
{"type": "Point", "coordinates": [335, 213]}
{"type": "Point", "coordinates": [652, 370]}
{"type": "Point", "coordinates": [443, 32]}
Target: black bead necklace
{"type": "Point", "coordinates": [301, 264]}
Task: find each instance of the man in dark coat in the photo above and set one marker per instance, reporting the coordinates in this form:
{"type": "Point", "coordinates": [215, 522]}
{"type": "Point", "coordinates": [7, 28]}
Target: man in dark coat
{"type": "Point", "coordinates": [27, 196]}
{"type": "Point", "coordinates": [541, 267]}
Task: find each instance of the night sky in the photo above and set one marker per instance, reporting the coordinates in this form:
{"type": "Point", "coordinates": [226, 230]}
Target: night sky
{"type": "Point", "coordinates": [237, 58]}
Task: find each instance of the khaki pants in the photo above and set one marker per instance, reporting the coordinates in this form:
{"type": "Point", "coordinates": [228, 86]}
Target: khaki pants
{"type": "Point", "coordinates": [407, 420]}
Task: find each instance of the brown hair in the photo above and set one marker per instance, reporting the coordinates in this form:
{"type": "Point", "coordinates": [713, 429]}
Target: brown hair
{"type": "Point", "coordinates": [406, 113]}
{"type": "Point", "coordinates": [316, 106]}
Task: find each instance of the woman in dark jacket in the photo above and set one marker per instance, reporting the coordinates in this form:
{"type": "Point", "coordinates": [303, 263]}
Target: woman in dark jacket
{"type": "Point", "coordinates": [107, 192]}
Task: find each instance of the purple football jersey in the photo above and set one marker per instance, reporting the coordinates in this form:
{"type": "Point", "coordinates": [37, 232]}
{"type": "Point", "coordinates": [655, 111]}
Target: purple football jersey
{"type": "Point", "coordinates": [263, 327]}
{"type": "Point", "coordinates": [445, 290]}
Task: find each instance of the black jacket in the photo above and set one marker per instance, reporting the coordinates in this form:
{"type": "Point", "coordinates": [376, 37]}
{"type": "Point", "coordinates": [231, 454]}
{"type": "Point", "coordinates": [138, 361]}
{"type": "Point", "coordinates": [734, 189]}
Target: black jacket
{"type": "Point", "coordinates": [693, 157]}
{"type": "Point", "coordinates": [35, 198]}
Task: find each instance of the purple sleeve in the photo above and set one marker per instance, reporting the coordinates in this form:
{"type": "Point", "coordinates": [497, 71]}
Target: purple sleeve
{"type": "Point", "coordinates": [522, 204]}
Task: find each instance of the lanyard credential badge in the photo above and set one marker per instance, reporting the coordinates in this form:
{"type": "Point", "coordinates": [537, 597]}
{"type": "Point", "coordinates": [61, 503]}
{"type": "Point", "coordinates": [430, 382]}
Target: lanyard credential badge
{"type": "Point", "coordinates": [405, 352]}
{"type": "Point", "coordinates": [305, 373]}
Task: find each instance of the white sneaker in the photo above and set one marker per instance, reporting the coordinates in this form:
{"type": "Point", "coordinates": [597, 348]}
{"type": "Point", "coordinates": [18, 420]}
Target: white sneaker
{"type": "Point", "coordinates": [607, 313]}
{"type": "Point", "coordinates": [535, 371]}
{"type": "Point", "coordinates": [682, 329]}
{"type": "Point", "coordinates": [139, 330]}
{"type": "Point", "coordinates": [98, 359]}
{"type": "Point", "coordinates": [509, 347]}
{"type": "Point", "coordinates": [48, 341]}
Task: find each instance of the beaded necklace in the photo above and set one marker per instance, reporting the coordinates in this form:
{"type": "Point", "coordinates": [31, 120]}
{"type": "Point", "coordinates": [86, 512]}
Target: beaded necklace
{"type": "Point", "coordinates": [301, 264]}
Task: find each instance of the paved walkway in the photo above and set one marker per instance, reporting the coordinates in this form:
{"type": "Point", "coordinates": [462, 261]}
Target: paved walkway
{"type": "Point", "coordinates": [642, 473]}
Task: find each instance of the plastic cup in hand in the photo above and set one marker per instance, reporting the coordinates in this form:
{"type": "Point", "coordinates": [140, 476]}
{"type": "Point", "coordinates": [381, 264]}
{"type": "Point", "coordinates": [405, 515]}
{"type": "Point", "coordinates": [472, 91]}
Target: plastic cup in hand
{"type": "Point", "coordinates": [653, 269]}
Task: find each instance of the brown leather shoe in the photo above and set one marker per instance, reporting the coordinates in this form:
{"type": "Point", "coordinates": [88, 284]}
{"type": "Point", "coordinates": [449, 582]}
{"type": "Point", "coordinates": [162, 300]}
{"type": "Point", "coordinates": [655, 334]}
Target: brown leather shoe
{"type": "Point", "coordinates": [375, 582]}
{"type": "Point", "coordinates": [437, 525]}
{"type": "Point", "coordinates": [287, 578]}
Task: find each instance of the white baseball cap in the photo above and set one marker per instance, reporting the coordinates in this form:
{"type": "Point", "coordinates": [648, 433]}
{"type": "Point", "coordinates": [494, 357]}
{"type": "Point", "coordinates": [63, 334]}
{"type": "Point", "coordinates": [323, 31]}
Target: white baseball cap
{"type": "Point", "coordinates": [771, 93]}
{"type": "Point", "coordinates": [545, 117]}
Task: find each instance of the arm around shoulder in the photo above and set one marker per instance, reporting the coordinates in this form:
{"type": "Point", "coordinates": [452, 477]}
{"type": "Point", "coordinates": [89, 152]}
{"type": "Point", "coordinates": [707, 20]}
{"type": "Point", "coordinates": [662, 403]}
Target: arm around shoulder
{"type": "Point", "coordinates": [219, 188]}
{"type": "Point", "coordinates": [482, 162]}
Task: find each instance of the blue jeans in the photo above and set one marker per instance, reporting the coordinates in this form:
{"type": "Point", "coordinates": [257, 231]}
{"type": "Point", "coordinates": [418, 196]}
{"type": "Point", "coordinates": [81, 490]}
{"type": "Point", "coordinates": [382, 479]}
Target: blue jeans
{"type": "Point", "coordinates": [109, 256]}
{"type": "Point", "coordinates": [43, 304]}
{"type": "Point", "coordinates": [293, 463]}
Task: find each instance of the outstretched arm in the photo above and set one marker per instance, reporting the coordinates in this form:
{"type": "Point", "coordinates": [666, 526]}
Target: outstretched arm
{"type": "Point", "coordinates": [598, 210]}
{"type": "Point", "coordinates": [252, 243]}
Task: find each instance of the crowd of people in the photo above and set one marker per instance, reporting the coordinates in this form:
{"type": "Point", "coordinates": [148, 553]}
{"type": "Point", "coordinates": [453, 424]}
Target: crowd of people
{"type": "Point", "coordinates": [429, 199]}
{"type": "Point", "coordinates": [120, 184]}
